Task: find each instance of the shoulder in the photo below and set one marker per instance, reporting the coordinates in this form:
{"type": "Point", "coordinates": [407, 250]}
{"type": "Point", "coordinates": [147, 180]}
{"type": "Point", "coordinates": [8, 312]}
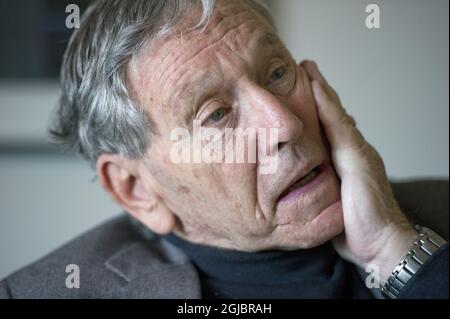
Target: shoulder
{"type": "Point", "coordinates": [105, 259]}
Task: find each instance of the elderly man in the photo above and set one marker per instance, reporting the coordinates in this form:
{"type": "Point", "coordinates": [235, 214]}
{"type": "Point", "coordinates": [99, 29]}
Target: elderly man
{"type": "Point", "coordinates": [323, 224]}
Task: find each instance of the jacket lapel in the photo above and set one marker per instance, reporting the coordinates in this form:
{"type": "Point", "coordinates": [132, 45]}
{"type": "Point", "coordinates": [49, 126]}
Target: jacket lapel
{"type": "Point", "coordinates": [154, 269]}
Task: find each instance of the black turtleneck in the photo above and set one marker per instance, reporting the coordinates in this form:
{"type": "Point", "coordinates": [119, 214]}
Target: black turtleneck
{"type": "Point", "coordinates": [309, 273]}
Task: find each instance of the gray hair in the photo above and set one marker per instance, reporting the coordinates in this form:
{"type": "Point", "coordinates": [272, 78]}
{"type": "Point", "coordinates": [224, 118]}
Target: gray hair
{"type": "Point", "coordinates": [96, 113]}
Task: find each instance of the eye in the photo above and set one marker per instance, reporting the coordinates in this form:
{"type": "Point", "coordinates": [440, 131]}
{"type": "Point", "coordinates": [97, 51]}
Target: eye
{"type": "Point", "coordinates": [278, 73]}
{"type": "Point", "coordinates": [217, 115]}
{"type": "Point", "coordinates": [281, 78]}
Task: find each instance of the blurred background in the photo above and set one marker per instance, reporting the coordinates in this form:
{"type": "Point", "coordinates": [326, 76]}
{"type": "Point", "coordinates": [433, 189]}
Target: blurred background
{"type": "Point", "coordinates": [393, 80]}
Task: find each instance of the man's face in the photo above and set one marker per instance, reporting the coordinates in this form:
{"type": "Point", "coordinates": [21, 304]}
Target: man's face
{"type": "Point", "coordinates": [237, 74]}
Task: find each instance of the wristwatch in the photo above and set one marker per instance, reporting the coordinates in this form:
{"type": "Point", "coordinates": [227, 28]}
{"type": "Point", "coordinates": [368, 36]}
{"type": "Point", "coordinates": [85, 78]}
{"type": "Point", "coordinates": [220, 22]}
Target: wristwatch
{"type": "Point", "coordinates": [423, 248]}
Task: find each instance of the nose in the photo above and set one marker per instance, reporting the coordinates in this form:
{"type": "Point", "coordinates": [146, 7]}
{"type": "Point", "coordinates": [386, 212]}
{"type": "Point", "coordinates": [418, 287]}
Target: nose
{"type": "Point", "coordinates": [268, 111]}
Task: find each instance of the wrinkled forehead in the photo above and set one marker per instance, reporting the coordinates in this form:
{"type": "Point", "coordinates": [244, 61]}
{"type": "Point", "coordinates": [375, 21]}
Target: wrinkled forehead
{"type": "Point", "coordinates": [233, 24]}
{"type": "Point", "coordinates": [233, 20]}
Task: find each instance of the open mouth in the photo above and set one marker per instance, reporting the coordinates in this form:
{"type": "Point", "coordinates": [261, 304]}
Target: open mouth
{"type": "Point", "coordinates": [302, 183]}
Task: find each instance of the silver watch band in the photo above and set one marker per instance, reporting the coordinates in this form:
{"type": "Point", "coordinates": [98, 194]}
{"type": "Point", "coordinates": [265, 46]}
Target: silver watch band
{"type": "Point", "coordinates": [426, 244]}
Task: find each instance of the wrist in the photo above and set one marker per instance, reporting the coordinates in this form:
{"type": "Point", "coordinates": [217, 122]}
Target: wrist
{"type": "Point", "coordinates": [399, 240]}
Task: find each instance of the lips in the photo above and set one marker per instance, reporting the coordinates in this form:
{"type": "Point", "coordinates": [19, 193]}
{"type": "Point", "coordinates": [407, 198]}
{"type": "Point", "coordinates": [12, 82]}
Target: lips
{"type": "Point", "coordinates": [301, 181]}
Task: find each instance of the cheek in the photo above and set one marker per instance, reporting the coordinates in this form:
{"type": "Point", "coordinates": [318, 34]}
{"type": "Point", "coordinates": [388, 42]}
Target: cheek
{"type": "Point", "coordinates": [199, 189]}
{"type": "Point", "coordinates": [228, 190]}
{"type": "Point", "coordinates": [241, 182]}
{"type": "Point", "coordinates": [202, 186]}
{"type": "Point", "coordinates": [303, 105]}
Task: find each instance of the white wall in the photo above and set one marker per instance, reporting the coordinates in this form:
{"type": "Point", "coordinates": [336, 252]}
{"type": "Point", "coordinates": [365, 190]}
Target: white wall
{"type": "Point", "coordinates": [46, 197]}
{"type": "Point", "coordinates": [393, 80]}
{"type": "Point", "coordinates": [45, 201]}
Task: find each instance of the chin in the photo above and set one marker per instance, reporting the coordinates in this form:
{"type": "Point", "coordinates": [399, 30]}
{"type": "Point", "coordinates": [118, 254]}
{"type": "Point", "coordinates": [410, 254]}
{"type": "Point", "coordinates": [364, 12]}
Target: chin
{"type": "Point", "coordinates": [324, 227]}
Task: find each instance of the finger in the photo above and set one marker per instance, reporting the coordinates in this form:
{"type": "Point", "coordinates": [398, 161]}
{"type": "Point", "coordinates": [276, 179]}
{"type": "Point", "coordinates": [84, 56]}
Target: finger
{"type": "Point", "coordinates": [314, 74]}
{"type": "Point", "coordinates": [340, 128]}
{"type": "Point", "coordinates": [313, 71]}
{"type": "Point", "coordinates": [306, 82]}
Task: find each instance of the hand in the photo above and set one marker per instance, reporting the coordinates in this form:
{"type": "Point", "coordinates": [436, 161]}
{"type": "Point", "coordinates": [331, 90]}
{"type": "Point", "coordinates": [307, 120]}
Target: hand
{"type": "Point", "coordinates": [376, 232]}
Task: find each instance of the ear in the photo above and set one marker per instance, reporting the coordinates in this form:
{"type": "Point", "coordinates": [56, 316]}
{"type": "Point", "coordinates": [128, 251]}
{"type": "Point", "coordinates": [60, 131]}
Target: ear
{"type": "Point", "coordinates": [121, 178]}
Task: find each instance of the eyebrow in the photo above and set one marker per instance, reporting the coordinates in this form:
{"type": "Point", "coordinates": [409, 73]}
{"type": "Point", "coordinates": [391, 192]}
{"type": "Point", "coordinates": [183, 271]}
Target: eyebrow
{"type": "Point", "coordinates": [268, 39]}
{"type": "Point", "coordinates": [186, 90]}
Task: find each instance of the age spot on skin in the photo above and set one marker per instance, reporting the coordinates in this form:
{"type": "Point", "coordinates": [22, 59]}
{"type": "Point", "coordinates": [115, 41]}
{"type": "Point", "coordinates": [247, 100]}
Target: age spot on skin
{"type": "Point", "coordinates": [183, 189]}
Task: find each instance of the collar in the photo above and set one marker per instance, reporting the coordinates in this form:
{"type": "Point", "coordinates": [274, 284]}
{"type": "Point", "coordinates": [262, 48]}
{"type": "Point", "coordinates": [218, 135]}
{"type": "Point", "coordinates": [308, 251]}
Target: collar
{"type": "Point", "coordinates": [256, 268]}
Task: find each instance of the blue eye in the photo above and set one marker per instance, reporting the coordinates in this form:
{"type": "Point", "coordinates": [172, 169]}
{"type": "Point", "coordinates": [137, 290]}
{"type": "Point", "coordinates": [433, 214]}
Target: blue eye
{"type": "Point", "coordinates": [278, 73]}
{"type": "Point", "coordinates": [217, 115]}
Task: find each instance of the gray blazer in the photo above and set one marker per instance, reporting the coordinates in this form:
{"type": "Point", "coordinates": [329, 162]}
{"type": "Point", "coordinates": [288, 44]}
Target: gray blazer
{"type": "Point", "coordinates": [122, 260]}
